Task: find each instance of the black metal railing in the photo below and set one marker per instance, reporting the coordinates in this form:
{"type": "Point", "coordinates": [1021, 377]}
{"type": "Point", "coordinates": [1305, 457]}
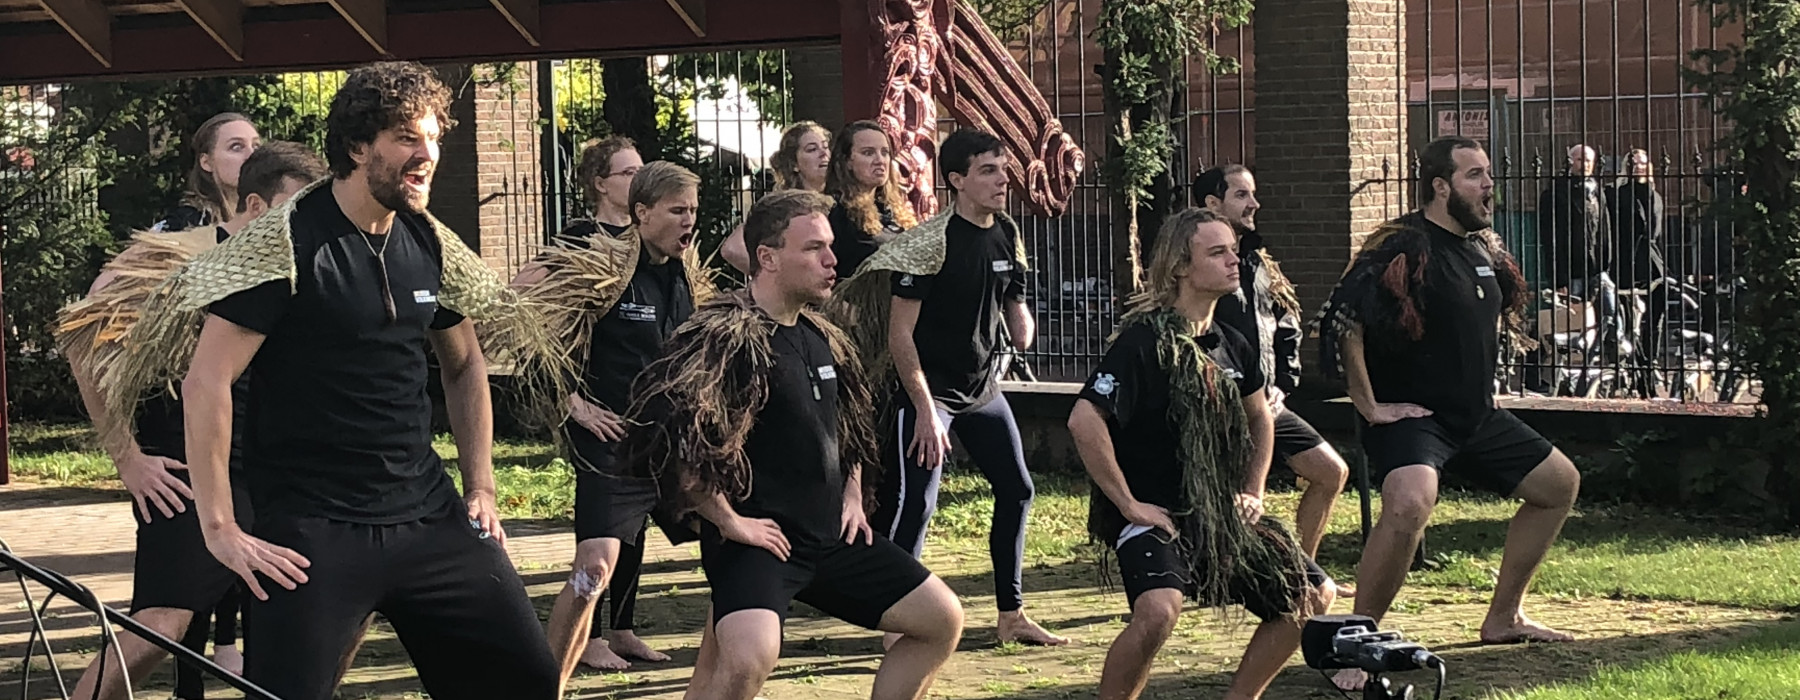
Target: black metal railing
{"type": "Point", "coordinates": [61, 586]}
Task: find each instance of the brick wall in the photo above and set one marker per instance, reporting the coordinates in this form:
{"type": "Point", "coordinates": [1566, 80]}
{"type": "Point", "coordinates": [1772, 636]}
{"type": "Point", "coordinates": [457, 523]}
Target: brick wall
{"type": "Point", "coordinates": [488, 187]}
{"type": "Point", "coordinates": [1326, 119]}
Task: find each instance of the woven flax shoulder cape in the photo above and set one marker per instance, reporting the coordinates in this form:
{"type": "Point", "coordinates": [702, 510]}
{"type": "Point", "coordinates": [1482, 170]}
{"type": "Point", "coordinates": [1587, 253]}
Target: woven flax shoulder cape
{"type": "Point", "coordinates": [154, 351]}
{"type": "Point", "coordinates": [1381, 290]}
{"type": "Point", "coordinates": [581, 284]}
{"type": "Point", "coordinates": [692, 410]}
{"type": "Point", "coordinates": [1213, 447]}
{"type": "Point", "coordinates": [861, 303]}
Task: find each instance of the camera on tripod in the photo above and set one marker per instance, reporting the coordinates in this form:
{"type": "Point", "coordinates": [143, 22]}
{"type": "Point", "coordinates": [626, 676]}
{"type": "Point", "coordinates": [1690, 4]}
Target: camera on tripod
{"type": "Point", "coordinates": [1331, 642]}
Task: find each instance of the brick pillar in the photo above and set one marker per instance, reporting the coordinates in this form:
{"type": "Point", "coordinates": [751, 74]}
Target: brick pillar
{"type": "Point", "coordinates": [509, 212]}
{"type": "Point", "coordinates": [453, 187]}
{"type": "Point", "coordinates": [1328, 111]}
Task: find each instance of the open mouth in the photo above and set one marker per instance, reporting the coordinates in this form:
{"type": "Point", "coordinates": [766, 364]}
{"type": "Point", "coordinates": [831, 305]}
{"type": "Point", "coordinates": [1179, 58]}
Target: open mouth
{"type": "Point", "coordinates": [686, 239]}
{"type": "Point", "coordinates": [417, 180]}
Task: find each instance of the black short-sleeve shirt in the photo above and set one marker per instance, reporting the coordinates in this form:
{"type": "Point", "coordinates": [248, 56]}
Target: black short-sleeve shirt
{"type": "Point", "coordinates": [1451, 369]}
{"type": "Point", "coordinates": [628, 338]}
{"type": "Point", "coordinates": [850, 244]}
{"type": "Point", "coordinates": [1131, 389]}
{"type": "Point", "coordinates": [182, 218]}
{"type": "Point", "coordinates": [582, 228]}
{"type": "Point", "coordinates": [340, 423]}
{"type": "Point", "coordinates": [962, 316]}
{"type": "Point", "coordinates": [160, 429]}
{"type": "Point", "coordinates": [797, 479]}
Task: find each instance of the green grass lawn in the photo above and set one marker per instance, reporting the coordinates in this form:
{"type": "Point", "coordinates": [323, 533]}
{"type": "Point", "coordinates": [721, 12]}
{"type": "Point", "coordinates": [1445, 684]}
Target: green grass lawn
{"type": "Point", "coordinates": [1765, 666]}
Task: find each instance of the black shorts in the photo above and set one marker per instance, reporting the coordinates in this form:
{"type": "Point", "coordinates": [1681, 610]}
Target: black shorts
{"type": "Point", "coordinates": [455, 601]}
{"type": "Point", "coordinates": [1496, 455]}
{"type": "Point", "coordinates": [173, 568]}
{"type": "Point", "coordinates": [1293, 435]}
{"type": "Point", "coordinates": [608, 505]}
{"type": "Point", "coordinates": [1150, 561]}
{"type": "Point", "coordinates": [856, 583]}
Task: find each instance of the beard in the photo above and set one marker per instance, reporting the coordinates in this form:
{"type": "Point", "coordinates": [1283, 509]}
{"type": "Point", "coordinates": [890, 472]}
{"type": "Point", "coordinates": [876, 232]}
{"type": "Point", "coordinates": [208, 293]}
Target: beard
{"type": "Point", "coordinates": [387, 185]}
{"type": "Point", "coordinates": [1467, 214]}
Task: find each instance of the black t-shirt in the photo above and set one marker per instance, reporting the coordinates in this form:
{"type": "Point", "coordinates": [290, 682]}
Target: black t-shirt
{"type": "Point", "coordinates": [850, 244]}
{"type": "Point", "coordinates": [340, 423]}
{"type": "Point", "coordinates": [793, 447]}
{"type": "Point", "coordinates": [182, 218]}
{"type": "Point", "coordinates": [962, 319]}
{"type": "Point", "coordinates": [630, 336]}
{"type": "Point", "coordinates": [160, 429]}
{"type": "Point", "coordinates": [582, 228]}
{"type": "Point", "coordinates": [1451, 369]}
{"type": "Point", "coordinates": [1131, 389]}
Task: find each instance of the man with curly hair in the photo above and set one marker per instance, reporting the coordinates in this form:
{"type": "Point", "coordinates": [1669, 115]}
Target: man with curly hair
{"type": "Point", "coordinates": [333, 300]}
{"type": "Point", "coordinates": [1417, 325]}
{"type": "Point", "coordinates": [757, 419]}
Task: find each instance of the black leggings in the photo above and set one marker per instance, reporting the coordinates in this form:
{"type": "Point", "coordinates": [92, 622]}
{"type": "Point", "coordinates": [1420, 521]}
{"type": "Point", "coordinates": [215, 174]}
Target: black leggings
{"type": "Point", "coordinates": [190, 682]}
{"type": "Point", "coordinates": [622, 591]}
{"type": "Point", "coordinates": [909, 494]}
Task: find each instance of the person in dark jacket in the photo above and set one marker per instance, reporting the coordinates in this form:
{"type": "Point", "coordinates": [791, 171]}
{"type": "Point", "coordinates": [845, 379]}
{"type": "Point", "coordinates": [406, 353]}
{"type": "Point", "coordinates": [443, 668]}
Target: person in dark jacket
{"type": "Point", "coordinates": [1577, 241]}
{"type": "Point", "coordinates": [1267, 313]}
{"type": "Point", "coordinates": [1636, 210]}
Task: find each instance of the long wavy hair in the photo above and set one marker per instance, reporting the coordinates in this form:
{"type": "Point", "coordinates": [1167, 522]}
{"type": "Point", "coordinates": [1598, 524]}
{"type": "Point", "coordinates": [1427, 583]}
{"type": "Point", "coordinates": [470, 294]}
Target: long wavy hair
{"type": "Point", "coordinates": [203, 191]}
{"type": "Point", "coordinates": [786, 161]}
{"type": "Point", "coordinates": [1169, 256]}
{"type": "Point", "coordinates": [858, 200]}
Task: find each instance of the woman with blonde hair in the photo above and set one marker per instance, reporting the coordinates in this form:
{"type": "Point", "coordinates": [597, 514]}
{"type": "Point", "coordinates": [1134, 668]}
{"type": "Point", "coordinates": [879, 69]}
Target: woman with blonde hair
{"type": "Point", "coordinates": [800, 163]}
{"type": "Point", "coordinates": [871, 209]}
{"type": "Point", "coordinates": [221, 145]}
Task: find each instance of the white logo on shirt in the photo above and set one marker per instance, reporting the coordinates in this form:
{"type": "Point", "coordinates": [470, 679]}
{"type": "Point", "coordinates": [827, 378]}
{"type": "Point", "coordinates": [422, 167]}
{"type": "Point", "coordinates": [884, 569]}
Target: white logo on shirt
{"type": "Point", "coordinates": [423, 296]}
{"type": "Point", "coordinates": [637, 312]}
{"type": "Point", "coordinates": [1002, 265]}
{"type": "Point", "coordinates": [827, 372]}
{"type": "Point", "coordinates": [1233, 374]}
{"type": "Point", "coordinates": [906, 281]}
{"type": "Point", "coordinates": [1105, 384]}
{"type": "Point", "coordinates": [1484, 271]}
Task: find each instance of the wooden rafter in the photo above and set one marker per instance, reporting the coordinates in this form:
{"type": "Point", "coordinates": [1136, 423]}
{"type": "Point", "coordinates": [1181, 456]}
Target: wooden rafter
{"type": "Point", "coordinates": [369, 18]}
{"type": "Point", "coordinates": [88, 22]}
{"type": "Point", "coordinates": [693, 12]}
{"type": "Point", "coordinates": [223, 20]}
{"type": "Point", "coordinates": [523, 14]}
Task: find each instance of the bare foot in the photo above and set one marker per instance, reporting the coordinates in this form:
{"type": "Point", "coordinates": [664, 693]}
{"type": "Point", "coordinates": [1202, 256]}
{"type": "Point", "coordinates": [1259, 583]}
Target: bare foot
{"type": "Point", "coordinates": [1016, 627]}
{"type": "Point", "coordinates": [626, 643]}
{"type": "Point", "coordinates": [599, 655]}
{"type": "Point", "coordinates": [229, 658]}
{"type": "Point", "coordinates": [1350, 680]}
{"type": "Point", "coordinates": [1520, 631]}
{"type": "Point", "coordinates": [1344, 591]}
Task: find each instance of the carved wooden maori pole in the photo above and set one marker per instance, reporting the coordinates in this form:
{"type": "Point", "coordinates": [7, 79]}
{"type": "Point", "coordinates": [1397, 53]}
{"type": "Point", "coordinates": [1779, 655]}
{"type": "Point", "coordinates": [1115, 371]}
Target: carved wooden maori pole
{"type": "Point", "coordinates": [912, 33]}
{"type": "Point", "coordinates": [982, 86]}
{"type": "Point", "coordinates": [988, 90]}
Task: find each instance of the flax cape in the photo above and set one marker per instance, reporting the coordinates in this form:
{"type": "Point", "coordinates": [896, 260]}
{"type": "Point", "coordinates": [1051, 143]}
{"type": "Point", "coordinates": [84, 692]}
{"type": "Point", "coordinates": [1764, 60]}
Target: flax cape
{"type": "Point", "coordinates": [154, 352]}
{"type": "Point", "coordinates": [1380, 292]}
{"type": "Point", "coordinates": [1213, 446]}
{"type": "Point", "coordinates": [860, 304]}
{"type": "Point", "coordinates": [693, 409]}
{"type": "Point", "coordinates": [580, 286]}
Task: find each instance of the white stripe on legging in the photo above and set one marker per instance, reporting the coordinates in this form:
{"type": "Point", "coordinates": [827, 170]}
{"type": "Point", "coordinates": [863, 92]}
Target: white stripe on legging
{"type": "Point", "coordinates": [900, 442]}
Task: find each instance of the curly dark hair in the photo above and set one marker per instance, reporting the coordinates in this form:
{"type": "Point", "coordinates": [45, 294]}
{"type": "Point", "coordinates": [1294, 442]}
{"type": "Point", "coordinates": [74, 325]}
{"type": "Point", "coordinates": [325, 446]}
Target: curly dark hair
{"type": "Point", "coordinates": [377, 97]}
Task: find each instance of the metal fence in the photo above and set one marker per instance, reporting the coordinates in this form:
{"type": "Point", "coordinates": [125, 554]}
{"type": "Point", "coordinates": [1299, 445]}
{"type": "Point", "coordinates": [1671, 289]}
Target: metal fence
{"type": "Point", "coordinates": [1605, 168]}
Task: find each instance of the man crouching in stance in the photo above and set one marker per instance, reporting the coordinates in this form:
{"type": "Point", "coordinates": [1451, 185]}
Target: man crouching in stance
{"type": "Point", "coordinates": [757, 419]}
{"type": "Point", "coordinates": [1175, 431]}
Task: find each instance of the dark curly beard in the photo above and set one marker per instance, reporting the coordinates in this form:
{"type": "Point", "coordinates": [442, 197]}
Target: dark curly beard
{"type": "Point", "coordinates": [1467, 214]}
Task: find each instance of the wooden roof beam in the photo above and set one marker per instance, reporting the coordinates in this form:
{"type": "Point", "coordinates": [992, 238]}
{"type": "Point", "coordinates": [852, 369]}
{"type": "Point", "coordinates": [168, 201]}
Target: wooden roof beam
{"type": "Point", "coordinates": [223, 20]}
{"type": "Point", "coordinates": [369, 18]}
{"type": "Point", "coordinates": [88, 22]}
{"type": "Point", "coordinates": [523, 14]}
{"type": "Point", "coordinates": [692, 12]}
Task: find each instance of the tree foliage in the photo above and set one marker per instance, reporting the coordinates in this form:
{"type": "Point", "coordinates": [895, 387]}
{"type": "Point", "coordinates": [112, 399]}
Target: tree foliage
{"type": "Point", "coordinates": [1757, 89]}
{"type": "Point", "coordinates": [1143, 44]}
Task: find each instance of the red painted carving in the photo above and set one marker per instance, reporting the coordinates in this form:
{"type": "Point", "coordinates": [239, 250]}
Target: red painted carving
{"type": "Point", "coordinates": [982, 85]}
{"type": "Point", "coordinates": [912, 31]}
{"type": "Point", "coordinates": [990, 91]}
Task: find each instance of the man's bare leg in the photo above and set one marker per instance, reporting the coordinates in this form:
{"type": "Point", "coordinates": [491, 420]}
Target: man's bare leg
{"type": "Point", "coordinates": [1273, 644]}
{"type": "Point", "coordinates": [1325, 473]}
{"type": "Point", "coordinates": [1549, 493]}
{"type": "Point", "coordinates": [1128, 662]}
{"type": "Point", "coordinates": [1408, 495]}
{"type": "Point", "coordinates": [572, 616]}
{"type": "Point", "coordinates": [141, 657]}
{"type": "Point", "coordinates": [754, 637]}
{"type": "Point", "coordinates": [929, 621]}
